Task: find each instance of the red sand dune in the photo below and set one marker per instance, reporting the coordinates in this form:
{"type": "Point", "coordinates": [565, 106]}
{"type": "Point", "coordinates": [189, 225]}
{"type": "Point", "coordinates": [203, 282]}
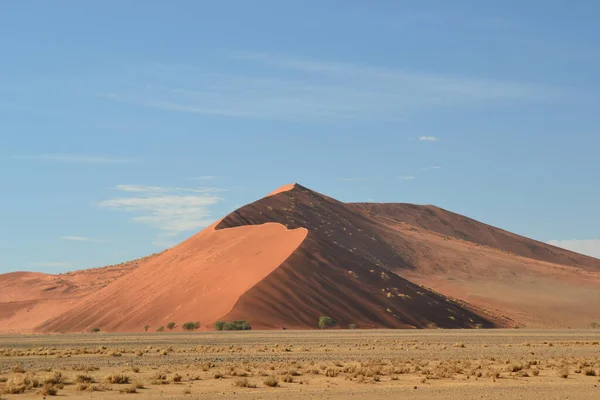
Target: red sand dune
{"type": "Point", "coordinates": [294, 255]}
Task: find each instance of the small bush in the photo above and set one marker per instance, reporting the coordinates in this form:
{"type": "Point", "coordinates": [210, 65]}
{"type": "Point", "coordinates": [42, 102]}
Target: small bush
{"type": "Point", "coordinates": [119, 379]}
{"type": "Point", "coordinates": [326, 322]}
{"type": "Point", "coordinates": [219, 325]}
{"type": "Point", "coordinates": [243, 382]}
{"type": "Point", "coordinates": [146, 328]}
{"type": "Point", "coordinates": [129, 390]}
{"type": "Point", "coordinates": [84, 378]}
{"type": "Point", "coordinates": [49, 390]}
{"type": "Point", "coordinates": [191, 326]}
{"type": "Point", "coordinates": [176, 378]}
{"type": "Point", "coordinates": [171, 325]}
{"type": "Point", "coordinates": [237, 325]}
{"type": "Point", "coordinates": [95, 330]}
{"type": "Point", "coordinates": [271, 381]}
{"type": "Point", "coordinates": [590, 372]}
{"type": "Point", "coordinates": [160, 329]}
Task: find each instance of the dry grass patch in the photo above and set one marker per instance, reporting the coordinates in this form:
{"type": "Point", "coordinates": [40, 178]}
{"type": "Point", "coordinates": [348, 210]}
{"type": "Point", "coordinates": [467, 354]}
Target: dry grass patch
{"type": "Point", "coordinates": [243, 382]}
{"type": "Point", "coordinates": [271, 381]}
{"type": "Point", "coordinates": [118, 379]}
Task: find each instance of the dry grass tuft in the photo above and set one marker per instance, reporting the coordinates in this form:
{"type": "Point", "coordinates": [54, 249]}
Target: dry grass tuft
{"type": "Point", "coordinates": [243, 382]}
{"type": "Point", "coordinates": [49, 390]}
{"type": "Point", "coordinates": [119, 379]}
{"type": "Point", "coordinates": [129, 390]}
{"type": "Point", "coordinates": [271, 381]}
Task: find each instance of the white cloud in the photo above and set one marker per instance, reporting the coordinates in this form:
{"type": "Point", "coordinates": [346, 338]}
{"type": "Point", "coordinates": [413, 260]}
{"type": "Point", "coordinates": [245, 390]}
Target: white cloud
{"type": "Point", "coordinates": [171, 210]}
{"type": "Point", "coordinates": [354, 179]}
{"type": "Point", "coordinates": [204, 178]}
{"type": "Point", "coordinates": [50, 264]}
{"type": "Point", "coordinates": [76, 159]}
{"type": "Point", "coordinates": [406, 177]}
{"type": "Point", "coordinates": [314, 90]}
{"type": "Point", "coordinates": [428, 138]}
{"type": "Point", "coordinates": [590, 247]}
{"type": "Point", "coordinates": [436, 167]}
{"type": "Point", "coordinates": [81, 239]}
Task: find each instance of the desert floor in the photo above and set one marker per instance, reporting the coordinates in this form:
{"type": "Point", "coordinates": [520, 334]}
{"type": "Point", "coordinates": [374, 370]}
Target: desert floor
{"type": "Point", "coordinates": [335, 364]}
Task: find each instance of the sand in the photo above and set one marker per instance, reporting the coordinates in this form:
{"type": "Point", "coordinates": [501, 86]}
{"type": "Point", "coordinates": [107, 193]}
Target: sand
{"type": "Point", "coordinates": [426, 364]}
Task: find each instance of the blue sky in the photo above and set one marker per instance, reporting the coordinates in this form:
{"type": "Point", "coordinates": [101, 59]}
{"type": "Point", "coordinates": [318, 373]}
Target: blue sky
{"type": "Point", "coordinates": [127, 126]}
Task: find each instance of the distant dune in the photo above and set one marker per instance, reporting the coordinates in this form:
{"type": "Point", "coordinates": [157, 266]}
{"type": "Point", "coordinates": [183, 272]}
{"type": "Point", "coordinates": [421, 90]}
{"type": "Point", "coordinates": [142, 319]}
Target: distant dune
{"type": "Point", "coordinates": [286, 259]}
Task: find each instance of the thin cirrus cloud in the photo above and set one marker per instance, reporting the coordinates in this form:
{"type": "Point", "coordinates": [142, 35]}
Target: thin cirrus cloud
{"type": "Point", "coordinates": [406, 178]}
{"type": "Point", "coordinates": [76, 159]}
{"type": "Point", "coordinates": [171, 210]}
{"type": "Point", "coordinates": [81, 239]}
{"type": "Point", "coordinates": [428, 139]}
{"type": "Point", "coordinates": [589, 247]}
{"type": "Point", "coordinates": [313, 90]}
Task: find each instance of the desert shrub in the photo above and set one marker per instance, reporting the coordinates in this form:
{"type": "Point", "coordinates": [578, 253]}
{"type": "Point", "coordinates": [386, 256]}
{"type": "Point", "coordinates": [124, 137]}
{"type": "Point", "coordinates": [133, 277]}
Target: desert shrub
{"type": "Point", "coordinates": [160, 329]}
{"type": "Point", "coordinates": [590, 372]}
{"type": "Point", "coordinates": [191, 326]}
{"type": "Point", "coordinates": [49, 390]}
{"type": "Point", "coordinates": [176, 377]}
{"type": "Point", "coordinates": [563, 372]}
{"type": "Point", "coordinates": [95, 330]}
{"type": "Point", "coordinates": [146, 328]}
{"type": "Point", "coordinates": [84, 378]}
{"type": "Point", "coordinates": [139, 385]}
{"type": "Point", "coordinates": [237, 325]}
{"type": "Point", "coordinates": [535, 372]}
{"type": "Point", "coordinates": [18, 369]}
{"type": "Point", "coordinates": [243, 382]}
{"type": "Point", "coordinates": [129, 390]}
{"type": "Point", "coordinates": [56, 379]}
{"type": "Point", "coordinates": [326, 322]}
{"type": "Point", "coordinates": [594, 325]}
{"type": "Point", "coordinates": [271, 381]}
{"type": "Point", "coordinates": [287, 378]}
{"type": "Point", "coordinates": [119, 379]}
{"type": "Point", "coordinates": [171, 325]}
{"type": "Point", "coordinates": [219, 325]}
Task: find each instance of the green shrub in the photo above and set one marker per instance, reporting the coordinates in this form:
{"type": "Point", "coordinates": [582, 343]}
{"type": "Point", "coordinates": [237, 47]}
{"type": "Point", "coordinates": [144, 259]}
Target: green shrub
{"type": "Point", "coordinates": [326, 322]}
{"type": "Point", "coordinates": [171, 325]}
{"type": "Point", "coordinates": [237, 325]}
{"type": "Point", "coordinates": [146, 328]}
{"type": "Point", "coordinates": [219, 325]}
{"type": "Point", "coordinates": [160, 329]}
{"type": "Point", "coordinates": [191, 326]}
{"type": "Point", "coordinates": [95, 330]}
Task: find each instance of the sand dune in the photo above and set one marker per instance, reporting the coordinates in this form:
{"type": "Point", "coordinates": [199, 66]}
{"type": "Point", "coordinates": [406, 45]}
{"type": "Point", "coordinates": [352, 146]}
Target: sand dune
{"type": "Point", "coordinates": [294, 255]}
{"type": "Point", "coordinates": [198, 280]}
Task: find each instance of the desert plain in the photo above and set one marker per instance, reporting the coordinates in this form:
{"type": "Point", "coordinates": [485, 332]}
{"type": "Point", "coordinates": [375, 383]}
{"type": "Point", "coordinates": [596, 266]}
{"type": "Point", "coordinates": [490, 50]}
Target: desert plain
{"type": "Point", "coordinates": [328, 364]}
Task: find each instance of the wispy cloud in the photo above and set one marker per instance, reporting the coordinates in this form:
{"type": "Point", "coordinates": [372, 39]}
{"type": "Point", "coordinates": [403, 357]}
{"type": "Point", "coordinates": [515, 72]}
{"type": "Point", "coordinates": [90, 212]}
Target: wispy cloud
{"type": "Point", "coordinates": [76, 159]}
{"type": "Point", "coordinates": [590, 247]}
{"type": "Point", "coordinates": [171, 210]}
{"type": "Point", "coordinates": [314, 90]}
{"type": "Point", "coordinates": [81, 239]}
{"type": "Point", "coordinates": [50, 264]}
{"type": "Point", "coordinates": [353, 179]}
{"type": "Point", "coordinates": [406, 178]}
{"type": "Point", "coordinates": [430, 168]}
{"type": "Point", "coordinates": [428, 138]}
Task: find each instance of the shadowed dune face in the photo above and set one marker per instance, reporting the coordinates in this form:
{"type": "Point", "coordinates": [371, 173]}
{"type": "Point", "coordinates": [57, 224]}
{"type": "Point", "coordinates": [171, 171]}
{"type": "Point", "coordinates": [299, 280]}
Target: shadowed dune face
{"type": "Point", "coordinates": [198, 280]}
{"type": "Point", "coordinates": [287, 259]}
{"type": "Point", "coordinates": [341, 269]}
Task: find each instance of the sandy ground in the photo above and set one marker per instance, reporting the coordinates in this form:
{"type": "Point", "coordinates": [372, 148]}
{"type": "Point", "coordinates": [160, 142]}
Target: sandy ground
{"type": "Point", "coordinates": [406, 364]}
